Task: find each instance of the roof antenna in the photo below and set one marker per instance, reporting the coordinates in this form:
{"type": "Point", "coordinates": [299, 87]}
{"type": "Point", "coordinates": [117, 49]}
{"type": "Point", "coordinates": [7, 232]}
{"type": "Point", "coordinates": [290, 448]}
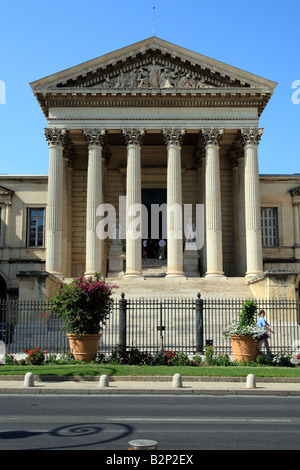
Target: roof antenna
{"type": "Point", "coordinates": [153, 22]}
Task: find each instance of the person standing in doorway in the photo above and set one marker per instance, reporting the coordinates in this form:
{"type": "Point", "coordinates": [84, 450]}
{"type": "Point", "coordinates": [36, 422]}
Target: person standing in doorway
{"type": "Point", "coordinates": [264, 324]}
{"type": "Point", "coordinates": [145, 249]}
{"type": "Point", "coordinates": [161, 249]}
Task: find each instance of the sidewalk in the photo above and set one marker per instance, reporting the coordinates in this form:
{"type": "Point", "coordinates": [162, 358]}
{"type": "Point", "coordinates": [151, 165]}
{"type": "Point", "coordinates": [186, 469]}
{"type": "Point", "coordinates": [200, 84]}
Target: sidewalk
{"type": "Point", "coordinates": [150, 385]}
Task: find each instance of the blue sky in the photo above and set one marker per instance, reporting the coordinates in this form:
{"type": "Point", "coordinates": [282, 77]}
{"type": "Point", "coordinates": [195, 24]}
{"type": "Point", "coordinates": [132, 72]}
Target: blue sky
{"type": "Point", "coordinates": [42, 37]}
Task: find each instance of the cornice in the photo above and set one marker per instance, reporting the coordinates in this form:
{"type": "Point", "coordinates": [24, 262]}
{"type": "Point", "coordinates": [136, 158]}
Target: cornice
{"type": "Point", "coordinates": [37, 179]}
{"type": "Point", "coordinates": [211, 91]}
{"type": "Point", "coordinates": [278, 177]}
{"type": "Point", "coordinates": [163, 99]}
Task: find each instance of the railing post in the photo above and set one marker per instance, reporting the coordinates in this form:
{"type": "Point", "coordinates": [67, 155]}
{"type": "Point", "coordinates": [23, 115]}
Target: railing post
{"type": "Point", "coordinates": [122, 322]}
{"type": "Point", "coordinates": [199, 324]}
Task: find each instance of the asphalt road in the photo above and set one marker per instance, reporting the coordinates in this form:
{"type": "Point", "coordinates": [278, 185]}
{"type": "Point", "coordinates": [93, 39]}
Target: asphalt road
{"type": "Point", "coordinates": [176, 423]}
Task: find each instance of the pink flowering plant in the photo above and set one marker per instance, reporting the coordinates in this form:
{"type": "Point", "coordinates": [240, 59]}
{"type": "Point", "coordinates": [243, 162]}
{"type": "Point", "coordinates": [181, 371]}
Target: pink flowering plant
{"type": "Point", "coordinates": [84, 305]}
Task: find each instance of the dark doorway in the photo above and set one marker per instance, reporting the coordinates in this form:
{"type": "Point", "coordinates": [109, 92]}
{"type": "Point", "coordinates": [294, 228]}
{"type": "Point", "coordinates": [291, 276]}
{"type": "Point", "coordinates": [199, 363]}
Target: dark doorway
{"type": "Point", "coordinates": [298, 305]}
{"type": "Point", "coordinates": [3, 289]}
{"type": "Point", "coordinates": [155, 223]}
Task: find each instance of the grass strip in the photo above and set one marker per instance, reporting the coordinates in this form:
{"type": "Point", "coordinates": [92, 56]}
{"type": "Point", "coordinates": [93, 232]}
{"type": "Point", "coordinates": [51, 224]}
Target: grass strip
{"type": "Point", "coordinates": [126, 370]}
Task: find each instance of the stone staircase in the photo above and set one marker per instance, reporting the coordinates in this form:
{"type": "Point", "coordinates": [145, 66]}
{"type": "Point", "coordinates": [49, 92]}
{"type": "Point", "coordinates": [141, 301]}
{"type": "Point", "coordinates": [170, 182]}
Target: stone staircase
{"type": "Point", "coordinates": [154, 283]}
{"type": "Point", "coordinates": [154, 267]}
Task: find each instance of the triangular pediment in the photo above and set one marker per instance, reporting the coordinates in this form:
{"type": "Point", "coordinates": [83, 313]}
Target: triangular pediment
{"type": "Point", "coordinates": [5, 194]}
{"type": "Point", "coordinates": [152, 67]}
{"type": "Point", "coordinates": [295, 191]}
{"type": "Point", "coordinates": [152, 63]}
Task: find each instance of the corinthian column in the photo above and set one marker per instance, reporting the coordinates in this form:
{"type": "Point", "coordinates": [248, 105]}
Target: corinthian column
{"type": "Point", "coordinates": [251, 139]}
{"type": "Point", "coordinates": [133, 138]}
{"type": "Point", "coordinates": [213, 214]}
{"type": "Point", "coordinates": [173, 139]}
{"type": "Point", "coordinates": [54, 213]}
{"type": "Point", "coordinates": [94, 241]}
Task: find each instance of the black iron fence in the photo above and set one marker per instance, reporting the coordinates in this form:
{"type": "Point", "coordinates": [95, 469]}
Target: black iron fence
{"type": "Point", "coordinates": [149, 324]}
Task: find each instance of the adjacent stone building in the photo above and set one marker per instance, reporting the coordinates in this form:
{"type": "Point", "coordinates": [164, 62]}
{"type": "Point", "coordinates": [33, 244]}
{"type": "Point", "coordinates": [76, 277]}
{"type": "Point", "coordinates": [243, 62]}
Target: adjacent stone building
{"type": "Point", "coordinates": [152, 124]}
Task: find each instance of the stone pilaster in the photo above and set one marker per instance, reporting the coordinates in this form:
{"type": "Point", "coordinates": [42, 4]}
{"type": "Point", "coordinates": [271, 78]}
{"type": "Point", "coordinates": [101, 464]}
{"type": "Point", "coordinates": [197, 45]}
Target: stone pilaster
{"type": "Point", "coordinates": [295, 193]}
{"type": "Point", "coordinates": [94, 240]}
{"type": "Point", "coordinates": [213, 214]}
{"type": "Point", "coordinates": [173, 139]}
{"type": "Point", "coordinates": [54, 218]}
{"type": "Point", "coordinates": [133, 138]}
{"type": "Point", "coordinates": [296, 209]}
{"type": "Point", "coordinates": [251, 139]}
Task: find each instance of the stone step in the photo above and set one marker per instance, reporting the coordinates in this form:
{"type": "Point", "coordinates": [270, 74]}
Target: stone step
{"type": "Point", "coordinates": [153, 267]}
{"type": "Point", "coordinates": [154, 283]}
{"type": "Point", "coordinates": [156, 262]}
{"type": "Point", "coordinates": [160, 286]}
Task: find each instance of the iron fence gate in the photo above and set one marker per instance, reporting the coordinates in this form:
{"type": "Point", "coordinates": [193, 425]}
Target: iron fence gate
{"type": "Point", "coordinates": [149, 324]}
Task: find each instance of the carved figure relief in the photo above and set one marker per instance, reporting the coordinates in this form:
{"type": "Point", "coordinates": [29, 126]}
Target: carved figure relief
{"type": "Point", "coordinates": [153, 75]}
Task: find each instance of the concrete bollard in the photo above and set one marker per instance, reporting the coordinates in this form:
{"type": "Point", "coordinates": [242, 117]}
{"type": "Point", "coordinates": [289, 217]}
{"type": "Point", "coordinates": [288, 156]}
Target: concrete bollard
{"type": "Point", "coordinates": [251, 383]}
{"type": "Point", "coordinates": [104, 381]}
{"type": "Point", "coordinates": [142, 444]}
{"type": "Point", "coordinates": [29, 380]}
{"type": "Point", "coordinates": [177, 381]}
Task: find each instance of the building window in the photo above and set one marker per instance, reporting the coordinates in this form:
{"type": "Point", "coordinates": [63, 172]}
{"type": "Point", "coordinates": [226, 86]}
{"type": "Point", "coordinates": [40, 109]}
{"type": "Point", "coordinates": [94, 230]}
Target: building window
{"type": "Point", "coordinates": [269, 226]}
{"type": "Point", "coordinates": [35, 227]}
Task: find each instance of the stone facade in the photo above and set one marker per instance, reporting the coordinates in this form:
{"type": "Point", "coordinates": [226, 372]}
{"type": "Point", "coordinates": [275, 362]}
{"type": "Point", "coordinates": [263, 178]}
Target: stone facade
{"type": "Point", "coordinates": [19, 254]}
{"type": "Point", "coordinates": [154, 116]}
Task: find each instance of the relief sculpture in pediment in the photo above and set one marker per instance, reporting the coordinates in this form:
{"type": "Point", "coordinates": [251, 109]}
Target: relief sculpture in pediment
{"type": "Point", "coordinates": [154, 76]}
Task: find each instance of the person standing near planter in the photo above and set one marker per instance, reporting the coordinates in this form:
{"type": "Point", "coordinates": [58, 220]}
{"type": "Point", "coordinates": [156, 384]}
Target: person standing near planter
{"type": "Point", "coordinates": [264, 324]}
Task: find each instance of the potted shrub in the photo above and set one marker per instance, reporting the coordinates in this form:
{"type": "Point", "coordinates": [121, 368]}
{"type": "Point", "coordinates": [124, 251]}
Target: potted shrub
{"type": "Point", "coordinates": [84, 306]}
{"type": "Point", "coordinates": [244, 334]}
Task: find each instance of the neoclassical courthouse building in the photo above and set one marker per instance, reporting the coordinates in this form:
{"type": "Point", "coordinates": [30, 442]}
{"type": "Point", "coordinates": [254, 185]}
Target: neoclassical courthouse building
{"type": "Point", "coordinates": [152, 124]}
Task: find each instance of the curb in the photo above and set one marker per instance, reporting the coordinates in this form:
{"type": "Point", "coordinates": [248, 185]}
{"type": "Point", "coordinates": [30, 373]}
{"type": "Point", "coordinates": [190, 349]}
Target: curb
{"type": "Point", "coordinates": [178, 392]}
{"type": "Point", "coordinates": [148, 388]}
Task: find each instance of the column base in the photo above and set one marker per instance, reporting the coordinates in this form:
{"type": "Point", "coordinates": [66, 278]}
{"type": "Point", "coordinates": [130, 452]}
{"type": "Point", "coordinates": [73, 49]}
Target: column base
{"type": "Point", "coordinates": [251, 275]}
{"type": "Point", "coordinates": [172, 274]}
{"type": "Point", "coordinates": [89, 274]}
{"type": "Point", "coordinates": [216, 274]}
{"type": "Point", "coordinates": [133, 274]}
{"type": "Point", "coordinates": [54, 273]}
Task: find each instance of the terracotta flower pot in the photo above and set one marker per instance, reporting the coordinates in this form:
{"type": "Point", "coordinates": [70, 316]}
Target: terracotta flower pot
{"type": "Point", "coordinates": [85, 347]}
{"type": "Point", "coordinates": [244, 347]}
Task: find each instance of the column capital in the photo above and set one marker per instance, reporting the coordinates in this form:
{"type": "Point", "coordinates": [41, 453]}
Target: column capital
{"type": "Point", "coordinates": [212, 136]}
{"type": "Point", "coordinates": [95, 136]}
{"type": "Point", "coordinates": [173, 136]}
{"type": "Point", "coordinates": [133, 136]}
{"type": "Point", "coordinates": [55, 136]}
{"type": "Point", "coordinates": [251, 136]}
